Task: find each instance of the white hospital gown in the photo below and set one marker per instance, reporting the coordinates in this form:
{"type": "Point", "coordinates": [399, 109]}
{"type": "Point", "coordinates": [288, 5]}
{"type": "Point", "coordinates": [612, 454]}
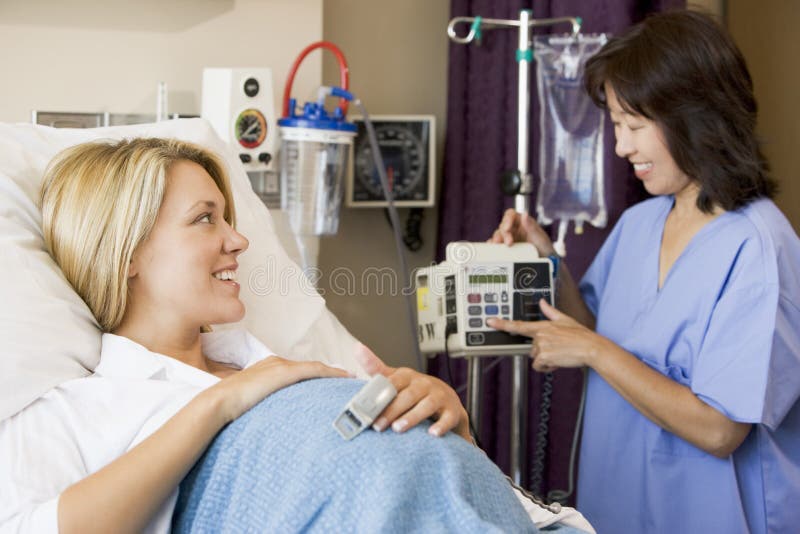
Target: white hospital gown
{"type": "Point", "coordinates": [82, 425]}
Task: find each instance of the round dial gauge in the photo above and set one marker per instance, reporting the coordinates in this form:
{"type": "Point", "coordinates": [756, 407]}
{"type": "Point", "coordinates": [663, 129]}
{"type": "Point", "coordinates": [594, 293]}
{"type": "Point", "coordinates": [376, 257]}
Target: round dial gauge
{"type": "Point", "coordinates": [403, 154]}
{"type": "Point", "coordinates": [250, 128]}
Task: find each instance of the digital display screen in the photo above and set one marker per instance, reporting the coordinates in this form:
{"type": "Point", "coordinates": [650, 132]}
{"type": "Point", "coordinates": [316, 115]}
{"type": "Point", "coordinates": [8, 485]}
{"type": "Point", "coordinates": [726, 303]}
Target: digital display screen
{"type": "Point", "coordinates": [488, 279]}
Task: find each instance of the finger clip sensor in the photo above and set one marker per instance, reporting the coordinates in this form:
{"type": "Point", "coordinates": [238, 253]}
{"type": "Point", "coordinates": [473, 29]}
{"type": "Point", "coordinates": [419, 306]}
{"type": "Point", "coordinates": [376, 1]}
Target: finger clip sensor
{"type": "Point", "coordinates": [364, 407]}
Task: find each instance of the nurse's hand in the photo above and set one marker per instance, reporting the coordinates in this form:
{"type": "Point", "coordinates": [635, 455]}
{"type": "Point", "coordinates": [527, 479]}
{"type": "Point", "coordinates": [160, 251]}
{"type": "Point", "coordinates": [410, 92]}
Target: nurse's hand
{"type": "Point", "coordinates": [515, 227]}
{"type": "Point", "coordinates": [419, 397]}
{"type": "Point", "coordinates": [560, 342]}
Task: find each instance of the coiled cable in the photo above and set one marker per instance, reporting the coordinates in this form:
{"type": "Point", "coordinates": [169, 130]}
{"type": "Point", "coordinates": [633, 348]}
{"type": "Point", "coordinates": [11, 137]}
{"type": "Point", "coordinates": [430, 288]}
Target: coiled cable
{"type": "Point", "coordinates": [412, 238]}
{"type": "Point", "coordinates": [540, 450]}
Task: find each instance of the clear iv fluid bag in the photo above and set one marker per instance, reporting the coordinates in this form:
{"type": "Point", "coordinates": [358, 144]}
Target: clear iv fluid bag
{"type": "Point", "coordinates": [571, 127]}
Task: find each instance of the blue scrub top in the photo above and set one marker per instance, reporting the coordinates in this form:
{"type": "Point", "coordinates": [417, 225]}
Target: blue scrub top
{"type": "Point", "coordinates": [726, 324]}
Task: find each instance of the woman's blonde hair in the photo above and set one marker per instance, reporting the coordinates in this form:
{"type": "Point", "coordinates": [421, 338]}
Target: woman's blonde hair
{"type": "Point", "coordinates": [99, 203]}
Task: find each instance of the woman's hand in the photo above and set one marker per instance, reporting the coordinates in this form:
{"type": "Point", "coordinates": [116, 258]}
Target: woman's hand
{"type": "Point", "coordinates": [241, 391]}
{"type": "Point", "coordinates": [515, 227]}
{"type": "Point", "coordinates": [560, 342]}
{"type": "Point", "coordinates": [419, 396]}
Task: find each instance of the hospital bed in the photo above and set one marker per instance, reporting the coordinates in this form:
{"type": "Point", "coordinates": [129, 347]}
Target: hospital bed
{"type": "Point", "coordinates": [47, 333]}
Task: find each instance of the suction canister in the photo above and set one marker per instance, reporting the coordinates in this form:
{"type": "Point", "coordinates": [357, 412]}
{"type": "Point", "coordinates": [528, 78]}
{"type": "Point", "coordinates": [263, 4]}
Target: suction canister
{"type": "Point", "coordinates": [315, 146]}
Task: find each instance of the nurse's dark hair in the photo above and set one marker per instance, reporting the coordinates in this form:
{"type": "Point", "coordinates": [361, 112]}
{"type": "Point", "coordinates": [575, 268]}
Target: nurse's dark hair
{"type": "Point", "coordinates": [682, 70]}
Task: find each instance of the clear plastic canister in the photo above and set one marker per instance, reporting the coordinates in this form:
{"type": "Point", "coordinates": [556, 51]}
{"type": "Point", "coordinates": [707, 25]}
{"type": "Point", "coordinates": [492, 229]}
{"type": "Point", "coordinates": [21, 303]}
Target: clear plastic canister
{"type": "Point", "coordinates": [313, 164]}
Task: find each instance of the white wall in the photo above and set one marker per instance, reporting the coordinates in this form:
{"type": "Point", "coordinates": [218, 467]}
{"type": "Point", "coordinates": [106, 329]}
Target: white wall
{"type": "Point", "coordinates": [108, 55]}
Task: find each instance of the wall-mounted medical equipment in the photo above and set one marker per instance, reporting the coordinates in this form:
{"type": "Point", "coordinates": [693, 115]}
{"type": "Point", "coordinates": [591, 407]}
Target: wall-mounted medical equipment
{"type": "Point", "coordinates": [365, 407]}
{"type": "Point", "coordinates": [477, 282]}
{"type": "Point", "coordinates": [315, 145]}
{"type": "Point", "coordinates": [407, 144]}
{"type": "Point", "coordinates": [571, 148]}
{"type": "Point", "coordinates": [239, 105]}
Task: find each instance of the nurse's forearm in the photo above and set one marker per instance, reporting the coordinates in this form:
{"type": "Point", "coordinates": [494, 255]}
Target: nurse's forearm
{"type": "Point", "coordinates": [126, 494]}
{"type": "Point", "coordinates": [667, 403]}
{"type": "Point", "coordinates": [569, 300]}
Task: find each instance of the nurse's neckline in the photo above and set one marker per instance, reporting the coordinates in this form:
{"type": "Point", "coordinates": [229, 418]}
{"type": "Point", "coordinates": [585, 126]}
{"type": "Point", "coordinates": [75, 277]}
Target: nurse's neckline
{"type": "Point", "coordinates": [696, 237]}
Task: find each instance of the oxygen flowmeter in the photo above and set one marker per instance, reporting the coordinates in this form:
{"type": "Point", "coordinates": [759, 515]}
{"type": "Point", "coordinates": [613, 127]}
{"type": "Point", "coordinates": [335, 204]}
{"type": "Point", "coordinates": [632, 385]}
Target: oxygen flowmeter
{"type": "Point", "coordinates": [476, 282]}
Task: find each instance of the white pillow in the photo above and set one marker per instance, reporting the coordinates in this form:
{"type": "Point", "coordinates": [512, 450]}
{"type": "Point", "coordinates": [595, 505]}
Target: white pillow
{"type": "Point", "coordinates": [47, 333]}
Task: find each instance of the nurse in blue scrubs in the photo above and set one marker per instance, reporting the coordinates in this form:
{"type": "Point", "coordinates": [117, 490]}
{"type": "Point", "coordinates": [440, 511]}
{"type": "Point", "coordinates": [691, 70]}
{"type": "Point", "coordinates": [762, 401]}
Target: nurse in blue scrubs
{"type": "Point", "coordinates": [688, 320]}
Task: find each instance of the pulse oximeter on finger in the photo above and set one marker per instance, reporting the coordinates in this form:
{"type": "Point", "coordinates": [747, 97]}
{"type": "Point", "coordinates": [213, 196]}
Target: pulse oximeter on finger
{"type": "Point", "coordinates": [364, 407]}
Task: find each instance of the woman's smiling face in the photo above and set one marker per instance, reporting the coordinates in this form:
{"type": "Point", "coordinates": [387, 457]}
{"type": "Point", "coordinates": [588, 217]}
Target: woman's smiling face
{"type": "Point", "coordinates": [640, 141]}
{"type": "Point", "coordinates": [184, 274]}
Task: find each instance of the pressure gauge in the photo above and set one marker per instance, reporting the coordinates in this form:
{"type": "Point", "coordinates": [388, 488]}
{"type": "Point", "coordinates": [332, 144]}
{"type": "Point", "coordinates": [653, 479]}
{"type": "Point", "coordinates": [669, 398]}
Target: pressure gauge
{"type": "Point", "coordinates": [250, 128]}
{"type": "Point", "coordinates": [404, 157]}
{"type": "Point", "coordinates": [406, 144]}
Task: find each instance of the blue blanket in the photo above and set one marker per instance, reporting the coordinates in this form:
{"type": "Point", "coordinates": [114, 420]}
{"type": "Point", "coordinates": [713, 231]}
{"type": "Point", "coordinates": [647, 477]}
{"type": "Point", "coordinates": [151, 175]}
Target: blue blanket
{"type": "Point", "coordinates": [281, 467]}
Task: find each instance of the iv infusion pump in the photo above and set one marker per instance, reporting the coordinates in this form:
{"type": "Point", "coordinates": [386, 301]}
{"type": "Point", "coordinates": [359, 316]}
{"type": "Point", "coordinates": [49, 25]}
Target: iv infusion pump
{"type": "Point", "coordinates": [478, 281]}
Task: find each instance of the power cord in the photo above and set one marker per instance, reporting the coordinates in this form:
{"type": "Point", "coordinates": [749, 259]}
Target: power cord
{"type": "Point", "coordinates": [553, 507]}
{"type": "Point", "coordinates": [561, 495]}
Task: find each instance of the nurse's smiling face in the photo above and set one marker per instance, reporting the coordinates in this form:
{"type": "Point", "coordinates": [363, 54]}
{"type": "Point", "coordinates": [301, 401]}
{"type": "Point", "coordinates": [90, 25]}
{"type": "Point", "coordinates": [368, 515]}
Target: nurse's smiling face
{"type": "Point", "coordinates": [640, 141]}
{"type": "Point", "coordinates": [181, 274]}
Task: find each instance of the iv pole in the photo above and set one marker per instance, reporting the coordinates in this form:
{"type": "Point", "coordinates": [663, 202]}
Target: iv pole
{"type": "Point", "coordinates": [519, 394]}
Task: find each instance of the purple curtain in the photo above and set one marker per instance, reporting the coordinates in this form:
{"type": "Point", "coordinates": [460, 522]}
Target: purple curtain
{"type": "Point", "coordinates": [481, 144]}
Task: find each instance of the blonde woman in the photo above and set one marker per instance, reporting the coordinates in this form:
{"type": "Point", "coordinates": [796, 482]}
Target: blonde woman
{"type": "Point", "coordinates": [144, 231]}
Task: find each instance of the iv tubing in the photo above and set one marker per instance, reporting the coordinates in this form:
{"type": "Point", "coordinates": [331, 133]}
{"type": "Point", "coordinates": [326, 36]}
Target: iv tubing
{"type": "Point", "coordinates": [559, 245]}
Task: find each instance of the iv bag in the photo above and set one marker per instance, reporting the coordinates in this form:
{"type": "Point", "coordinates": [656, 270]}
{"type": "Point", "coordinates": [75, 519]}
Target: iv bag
{"type": "Point", "coordinates": [571, 127]}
